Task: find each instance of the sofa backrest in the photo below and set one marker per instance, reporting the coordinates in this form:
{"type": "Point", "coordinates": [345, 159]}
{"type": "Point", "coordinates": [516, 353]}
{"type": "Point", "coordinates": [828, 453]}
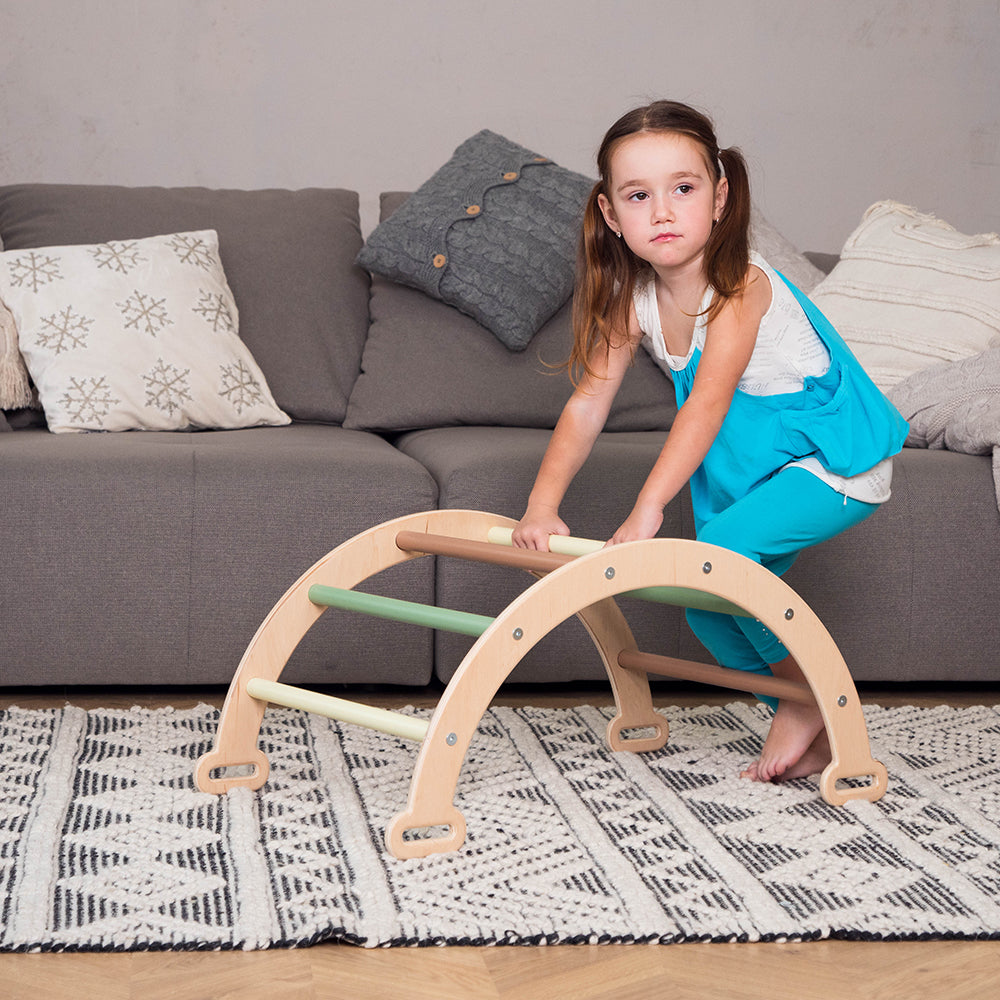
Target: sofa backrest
{"type": "Point", "coordinates": [401, 361]}
{"type": "Point", "coordinates": [288, 257]}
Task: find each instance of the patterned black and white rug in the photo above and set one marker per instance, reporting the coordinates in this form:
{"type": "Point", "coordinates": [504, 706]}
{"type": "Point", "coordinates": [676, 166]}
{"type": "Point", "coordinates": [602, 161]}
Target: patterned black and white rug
{"type": "Point", "coordinates": [106, 845]}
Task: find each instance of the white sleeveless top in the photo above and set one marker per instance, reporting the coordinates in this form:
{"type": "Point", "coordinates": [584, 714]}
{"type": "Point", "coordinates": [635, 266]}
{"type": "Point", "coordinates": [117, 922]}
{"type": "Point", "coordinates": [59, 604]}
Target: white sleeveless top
{"type": "Point", "coordinates": [787, 351]}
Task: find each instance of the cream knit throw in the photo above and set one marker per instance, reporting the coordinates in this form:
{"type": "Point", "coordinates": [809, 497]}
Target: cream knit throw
{"type": "Point", "coordinates": [15, 386]}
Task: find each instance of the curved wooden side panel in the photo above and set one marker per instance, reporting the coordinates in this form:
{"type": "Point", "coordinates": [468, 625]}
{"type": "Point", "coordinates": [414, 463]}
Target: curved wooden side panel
{"type": "Point", "coordinates": [585, 583]}
{"type": "Point", "coordinates": [235, 750]}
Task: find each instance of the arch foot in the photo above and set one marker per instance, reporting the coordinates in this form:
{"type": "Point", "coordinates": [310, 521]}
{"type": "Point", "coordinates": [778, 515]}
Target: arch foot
{"type": "Point", "coordinates": [218, 771]}
{"type": "Point", "coordinates": [633, 734]}
{"type": "Point", "coordinates": [837, 795]}
{"type": "Point", "coordinates": [401, 841]}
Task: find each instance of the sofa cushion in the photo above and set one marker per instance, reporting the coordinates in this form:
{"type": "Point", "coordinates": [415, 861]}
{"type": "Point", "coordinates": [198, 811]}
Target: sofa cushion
{"type": "Point", "coordinates": [134, 335]}
{"type": "Point", "coordinates": [161, 554]}
{"type": "Point", "coordinates": [911, 291]}
{"type": "Point", "coordinates": [288, 255]}
{"type": "Point", "coordinates": [877, 588]}
{"type": "Point", "coordinates": [493, 232]}
{"type": "Point", "coordinates": [909, 595]}
{"type": "Point", "coordinates": [426, 364]}
{"type": "Point", "coordinates": [492, 469]}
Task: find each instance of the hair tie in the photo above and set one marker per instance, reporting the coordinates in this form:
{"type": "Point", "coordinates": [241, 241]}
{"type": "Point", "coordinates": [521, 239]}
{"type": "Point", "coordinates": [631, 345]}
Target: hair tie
{"type": "Point", "coordinates": [722, 169]}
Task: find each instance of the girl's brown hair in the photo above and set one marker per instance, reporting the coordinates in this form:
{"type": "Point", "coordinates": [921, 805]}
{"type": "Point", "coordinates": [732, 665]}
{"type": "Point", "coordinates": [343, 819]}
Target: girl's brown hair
{"type": "Point", "coordinates": [606, 268]}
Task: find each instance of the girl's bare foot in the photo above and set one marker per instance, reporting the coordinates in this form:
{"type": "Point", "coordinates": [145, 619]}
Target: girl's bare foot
{"type": "Point", "coordinates": [793, 730]}
{"type": "Point", "coordinates": [795, 744]}
{"type": "Point", "coordinates": [814, 760]}
{"type": "Point", "coordinates": [795, 727]}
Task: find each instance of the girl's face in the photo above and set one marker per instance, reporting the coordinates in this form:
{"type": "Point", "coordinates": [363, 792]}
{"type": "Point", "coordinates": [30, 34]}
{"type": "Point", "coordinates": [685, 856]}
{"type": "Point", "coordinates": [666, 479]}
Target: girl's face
{"type": "Point", "coordinates": [663, 199]}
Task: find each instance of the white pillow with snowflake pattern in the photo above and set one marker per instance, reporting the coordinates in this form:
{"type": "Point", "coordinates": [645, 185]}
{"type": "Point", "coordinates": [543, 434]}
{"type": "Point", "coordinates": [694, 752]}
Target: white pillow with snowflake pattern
{"type": "Point", "coordinates": [134, 335]}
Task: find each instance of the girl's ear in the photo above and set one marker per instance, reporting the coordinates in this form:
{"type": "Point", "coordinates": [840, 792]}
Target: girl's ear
{"type": "Point", "coordinates": [604, 203]}
{"type": "Point", "coordinates": [721, 197]}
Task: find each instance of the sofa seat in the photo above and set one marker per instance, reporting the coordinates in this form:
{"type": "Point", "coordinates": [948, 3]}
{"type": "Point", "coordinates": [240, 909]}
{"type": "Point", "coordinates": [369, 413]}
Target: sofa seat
{"type": "Point", "coordinates": [184, 541]}
{"type": "Point", "coordinates": [911, 593]}
{"type": "Point", "coordinates": [493, 468]}
{"type": "Point", "coordinates": [904, 594]}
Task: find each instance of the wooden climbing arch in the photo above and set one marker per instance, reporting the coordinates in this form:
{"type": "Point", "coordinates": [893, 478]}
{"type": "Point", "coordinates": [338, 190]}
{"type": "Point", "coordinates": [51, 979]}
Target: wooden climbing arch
{"type": "Point", "coordinates": [581, 578]}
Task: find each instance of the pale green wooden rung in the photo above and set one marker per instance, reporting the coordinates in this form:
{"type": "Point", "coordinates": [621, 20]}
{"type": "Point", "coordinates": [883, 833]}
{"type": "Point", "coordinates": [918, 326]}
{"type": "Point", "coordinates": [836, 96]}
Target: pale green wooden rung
{"type": "Point", "coordinates": [463, 622]}
{"type": "Point", "coordinates": [368, 716]}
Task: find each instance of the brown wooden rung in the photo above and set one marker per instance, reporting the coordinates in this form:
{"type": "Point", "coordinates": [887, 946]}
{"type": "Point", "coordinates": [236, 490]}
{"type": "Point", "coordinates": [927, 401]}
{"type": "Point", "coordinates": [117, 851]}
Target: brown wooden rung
{"type": "Point", "coordinates": [487, 552]}
{"type": "Point", "coordinates": [704, 673]}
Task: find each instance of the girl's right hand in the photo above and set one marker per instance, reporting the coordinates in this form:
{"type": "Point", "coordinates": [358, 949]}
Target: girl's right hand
{"type": "Point", "coordinates": [534, 529]}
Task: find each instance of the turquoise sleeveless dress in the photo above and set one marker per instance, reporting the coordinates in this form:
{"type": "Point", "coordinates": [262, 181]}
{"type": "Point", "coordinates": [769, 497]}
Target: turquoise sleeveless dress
{"type": "Point", "coordinates": [840, 417]}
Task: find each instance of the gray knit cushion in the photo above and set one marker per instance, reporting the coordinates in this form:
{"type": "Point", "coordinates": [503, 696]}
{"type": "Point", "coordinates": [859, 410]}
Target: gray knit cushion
{"type": "Point", "coordinates": [428, 365]}
{"type": "Point", "coordinates": [493, 233]}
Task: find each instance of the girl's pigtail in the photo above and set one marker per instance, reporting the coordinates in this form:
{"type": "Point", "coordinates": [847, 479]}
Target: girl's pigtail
{"type": "Point", "coordinates": [727, 254]}
{"type": "Point", "coordinates": [603, 292]}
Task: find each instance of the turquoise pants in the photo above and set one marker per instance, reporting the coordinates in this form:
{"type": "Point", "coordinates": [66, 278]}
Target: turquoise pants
{"type": "Point", "coordinates": [771, 525]}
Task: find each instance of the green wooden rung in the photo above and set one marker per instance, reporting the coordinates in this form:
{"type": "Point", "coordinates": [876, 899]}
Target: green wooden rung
{"type": "Point", "coordinates": [444, 619]}
{"type": "Point", "coordinates": [686, 598]}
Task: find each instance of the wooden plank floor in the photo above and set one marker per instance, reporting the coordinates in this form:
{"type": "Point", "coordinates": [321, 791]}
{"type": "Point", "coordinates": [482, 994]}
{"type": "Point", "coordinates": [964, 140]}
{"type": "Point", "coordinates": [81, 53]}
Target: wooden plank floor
{"type": "Point", "coordinates": [942, 970]}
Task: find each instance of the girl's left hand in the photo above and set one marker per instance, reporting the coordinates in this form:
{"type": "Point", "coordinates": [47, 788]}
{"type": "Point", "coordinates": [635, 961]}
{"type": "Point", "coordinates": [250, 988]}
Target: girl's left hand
{"type": "Point", "coordinates": [644, 522]}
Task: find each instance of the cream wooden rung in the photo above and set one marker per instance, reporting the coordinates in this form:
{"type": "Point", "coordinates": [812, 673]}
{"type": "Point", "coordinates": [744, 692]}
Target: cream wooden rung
{"type": "Point", "coordinates": [579, 577]}
{"type": "Point", "coordinates": [392, 723]}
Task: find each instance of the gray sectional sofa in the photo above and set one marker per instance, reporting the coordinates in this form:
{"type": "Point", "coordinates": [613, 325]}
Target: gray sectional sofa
{"type": "Point", "coordinates": [150, 558]}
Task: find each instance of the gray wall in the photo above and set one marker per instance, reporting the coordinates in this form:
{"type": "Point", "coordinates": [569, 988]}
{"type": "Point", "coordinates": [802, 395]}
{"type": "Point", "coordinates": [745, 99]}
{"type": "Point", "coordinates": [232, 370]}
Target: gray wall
{"type": "Point", "coordinates": [836, 104]}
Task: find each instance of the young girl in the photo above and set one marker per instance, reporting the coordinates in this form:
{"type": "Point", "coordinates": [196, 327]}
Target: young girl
{"type": "Point", "coordinates": [783, 438]}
